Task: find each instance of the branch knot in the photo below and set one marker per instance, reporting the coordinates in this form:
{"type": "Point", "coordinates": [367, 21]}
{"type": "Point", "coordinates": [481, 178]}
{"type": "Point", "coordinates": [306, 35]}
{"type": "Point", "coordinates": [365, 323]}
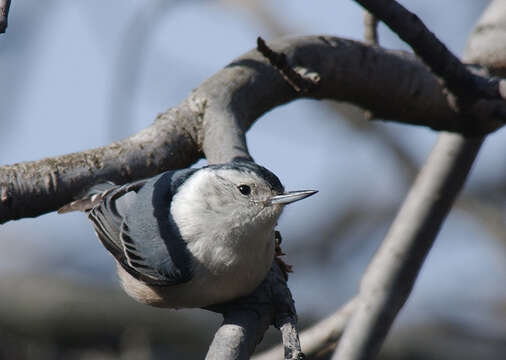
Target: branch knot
{"type": "Point", "coordinates": [299, 78]}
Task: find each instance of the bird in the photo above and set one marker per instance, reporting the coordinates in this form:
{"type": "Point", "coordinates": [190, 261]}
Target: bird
{"type": "Point", "coordinates": [192, 237]}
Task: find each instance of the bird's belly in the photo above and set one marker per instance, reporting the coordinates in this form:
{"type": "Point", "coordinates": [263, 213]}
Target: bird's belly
{"type": "Point", "coordinates": [207, 286]}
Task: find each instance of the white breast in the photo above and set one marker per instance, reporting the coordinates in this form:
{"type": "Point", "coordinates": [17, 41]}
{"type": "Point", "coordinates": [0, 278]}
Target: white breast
{"type": "Point", "coordinates": [221, 282]}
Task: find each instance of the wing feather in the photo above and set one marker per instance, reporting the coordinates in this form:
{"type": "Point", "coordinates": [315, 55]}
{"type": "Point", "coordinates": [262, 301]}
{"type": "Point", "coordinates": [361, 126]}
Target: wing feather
{"type": "Point", "coordinates": [146, 252]}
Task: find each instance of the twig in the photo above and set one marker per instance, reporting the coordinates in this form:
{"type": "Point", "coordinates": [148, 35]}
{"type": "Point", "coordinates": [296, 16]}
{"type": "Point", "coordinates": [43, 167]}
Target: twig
{"type": "Point", "coordinates": [300, 83]}
{"type": "Point", "coordinates": [370, 28]}
{"type": "Point", "coordinates": [318, 337]}
{"type": "Point", "coordinates": [4, 14]}
{"type": "Point", "coordinates": [290, 336]}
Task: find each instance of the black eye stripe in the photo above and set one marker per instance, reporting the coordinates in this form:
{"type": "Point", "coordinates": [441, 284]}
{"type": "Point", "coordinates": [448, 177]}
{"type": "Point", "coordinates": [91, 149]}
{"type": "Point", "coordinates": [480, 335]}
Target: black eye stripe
{"type": "Point", "coordinates": [244, 189]}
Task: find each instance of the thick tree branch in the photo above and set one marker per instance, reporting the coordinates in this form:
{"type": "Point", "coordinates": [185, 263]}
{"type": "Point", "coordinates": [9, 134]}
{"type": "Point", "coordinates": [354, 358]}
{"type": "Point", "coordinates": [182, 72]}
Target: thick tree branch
{"type": "Point", "coordinates": [432, 51]}
{"type": "Point", "coordinates": [215, 117]}
{"type": "Point", "coordinates": [472, 93]}
{"type": "Point", "coordinates": [34, 188]}
{"type": "Point", "coordinates": [4, 14]}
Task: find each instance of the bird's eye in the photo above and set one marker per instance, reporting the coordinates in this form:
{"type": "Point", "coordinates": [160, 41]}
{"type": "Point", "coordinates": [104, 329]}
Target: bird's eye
{"type": "Point", "coordinates": [244, 189]}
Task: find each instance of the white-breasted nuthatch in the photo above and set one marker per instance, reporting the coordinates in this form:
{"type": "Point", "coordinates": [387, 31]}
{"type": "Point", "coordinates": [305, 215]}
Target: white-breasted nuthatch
{"type": "Point", "coordinates": [192, 237]}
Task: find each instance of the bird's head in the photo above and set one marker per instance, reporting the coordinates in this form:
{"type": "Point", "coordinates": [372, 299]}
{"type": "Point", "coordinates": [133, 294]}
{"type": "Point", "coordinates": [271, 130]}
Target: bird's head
{"type": "Point", "coordinates": [237, 195]}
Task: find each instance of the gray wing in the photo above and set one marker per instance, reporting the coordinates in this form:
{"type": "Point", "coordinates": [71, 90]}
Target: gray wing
{"type": "Point", "coordinates": [133, 223]}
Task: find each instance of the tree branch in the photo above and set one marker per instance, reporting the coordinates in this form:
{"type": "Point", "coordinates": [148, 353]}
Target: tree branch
{"type": "Point", "coordinates": [215, 117]}
{"type": "Point", "coordinates": [321, 335]}
{"type": "Point", "coordinates": [212, 121]}
{"type": "Point", "coordinates": [370, 28]}
{"type": "Point", "coordinates": [471, 93]}
{"type": "Point", "coordinates": [300, 83]}
{"type": "Point", "coordinates": [391, 274]}
{"type": "Point", "coordinates": [487, 40]}
{"type": "Point", "coordinates": [247, 319]}
{"type": "Point", "coordinates": [4, 14]}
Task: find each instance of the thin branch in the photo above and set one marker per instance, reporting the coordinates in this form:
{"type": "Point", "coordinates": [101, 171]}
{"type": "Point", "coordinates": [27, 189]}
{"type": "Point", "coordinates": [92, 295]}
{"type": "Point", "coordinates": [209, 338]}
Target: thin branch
{"type": "Point", "coordinates": [391, 274]}
{"type": "Point", "coordinates": [318, 337]}
{"type": "Point", "coordinates": [4, 14]}
{"type": "Point", "coordinates": [214, 118]}
{"type": "Point", "coordinates": [300, 83]}
{"type": "Point", "coordinates": [370, 28]}
{"type": "Point", "coordinates": [433, 52]}
{"type": "Point", "coordinates": [290, 338]}
{"type": "Point", "coordinates": [487, 40]}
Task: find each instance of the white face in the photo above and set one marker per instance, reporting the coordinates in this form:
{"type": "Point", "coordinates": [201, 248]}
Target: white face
{"type": "Point", "coordinates": [226, 199]}
{"type": "Point", "coordinates": [245, 195]}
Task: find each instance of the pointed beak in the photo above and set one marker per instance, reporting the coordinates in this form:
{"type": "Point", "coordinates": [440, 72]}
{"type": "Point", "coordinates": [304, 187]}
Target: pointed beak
{"type": "Point", "coordinates": [290, 197]}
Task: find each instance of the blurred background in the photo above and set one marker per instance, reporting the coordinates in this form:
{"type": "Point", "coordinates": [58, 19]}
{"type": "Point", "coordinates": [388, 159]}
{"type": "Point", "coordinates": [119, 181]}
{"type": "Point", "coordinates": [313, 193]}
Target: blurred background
{"type": "Point", "coordinates": [80, 74]}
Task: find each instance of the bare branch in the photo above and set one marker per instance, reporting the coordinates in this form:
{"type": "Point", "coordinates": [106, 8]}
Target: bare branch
{"type": "Point", "coordinates": [290, 338]}
{"type": "Point", "coordinates": [321, 335]}
{"type": "Point", "coordinates": [246, 319]}
{"type": "Point", "coordinates": [486, 45]}
{"type": "Point", "coordinates": [370, 28]}
{"type": "Point", "coordinates": [34, 188]}
{"type": "Point", "coordinates": [432, 51]}
{"type": "Point", "coordinates": [237, 336]}
{"type": "Point", "coordinates": [298, 82]}
{"type": "Point", "coordinates": [4, 14]}
{"type": "Point", "coordinates": [471, 93]}
{"type": "Point", "coordinates": [214, 118]}
{"type": "Point", "coordinates": [390, 277]}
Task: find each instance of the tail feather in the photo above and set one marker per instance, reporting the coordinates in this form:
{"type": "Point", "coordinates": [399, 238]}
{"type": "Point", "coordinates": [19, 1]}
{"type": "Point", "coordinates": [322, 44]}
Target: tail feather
{"type": "Point", "coordinates": [93, 197]}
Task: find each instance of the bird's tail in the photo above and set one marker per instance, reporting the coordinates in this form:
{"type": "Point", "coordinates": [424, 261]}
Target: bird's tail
{"type": "Point", "coordinates": [92, 198]}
